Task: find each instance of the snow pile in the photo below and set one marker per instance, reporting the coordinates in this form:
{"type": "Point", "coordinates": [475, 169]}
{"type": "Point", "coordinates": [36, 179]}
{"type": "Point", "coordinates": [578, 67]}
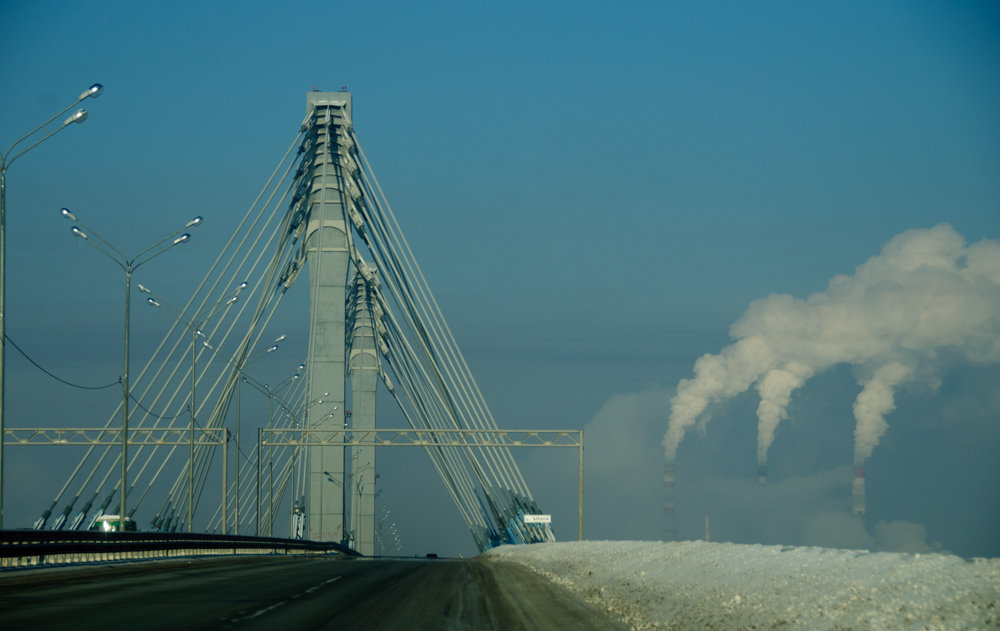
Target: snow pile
{"type": "Point", "coordinates": [701, 585]}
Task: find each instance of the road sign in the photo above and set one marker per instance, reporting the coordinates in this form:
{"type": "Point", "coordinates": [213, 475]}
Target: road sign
{"type": "Point", "coordinates": [538, 519]}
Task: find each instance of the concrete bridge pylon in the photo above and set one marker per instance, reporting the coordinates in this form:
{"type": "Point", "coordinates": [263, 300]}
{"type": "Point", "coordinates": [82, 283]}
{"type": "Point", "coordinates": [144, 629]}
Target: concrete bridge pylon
{"type": "Point", "coordinates": [327, 259]}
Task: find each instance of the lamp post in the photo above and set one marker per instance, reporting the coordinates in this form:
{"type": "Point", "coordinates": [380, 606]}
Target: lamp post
{"type": "Point", "coordinates": [196, 332]}
{"type": "Point", "coordinates": [128, 266]}
{"type": "Point", "coordinates": [242, 377]}
{"type": "Point", "coordinates": [271, 394]}
{"type": "Point", "coordinates": [77, 117]}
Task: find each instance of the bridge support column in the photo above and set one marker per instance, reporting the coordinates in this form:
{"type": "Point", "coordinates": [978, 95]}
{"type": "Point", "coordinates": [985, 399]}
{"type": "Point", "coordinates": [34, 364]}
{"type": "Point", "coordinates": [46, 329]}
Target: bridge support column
{"type": "Point", "coordinates": [327, 260]}
{"type": "Point", "coordinates": [363, 372]}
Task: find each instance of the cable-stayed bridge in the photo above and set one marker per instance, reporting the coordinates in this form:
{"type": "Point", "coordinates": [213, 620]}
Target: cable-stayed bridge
{"type": "Point", "coordinates": [374, 325]}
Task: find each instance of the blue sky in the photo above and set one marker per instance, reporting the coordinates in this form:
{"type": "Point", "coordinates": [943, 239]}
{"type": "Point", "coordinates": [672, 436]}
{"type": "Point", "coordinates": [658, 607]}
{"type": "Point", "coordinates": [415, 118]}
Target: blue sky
{"type": "Point", "coordinates": [596, 192]}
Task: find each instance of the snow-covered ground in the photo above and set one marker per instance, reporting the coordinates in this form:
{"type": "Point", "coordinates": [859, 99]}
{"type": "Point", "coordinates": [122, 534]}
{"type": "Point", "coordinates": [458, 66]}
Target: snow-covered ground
{"type": "Point", "coordinates": [701, 585]}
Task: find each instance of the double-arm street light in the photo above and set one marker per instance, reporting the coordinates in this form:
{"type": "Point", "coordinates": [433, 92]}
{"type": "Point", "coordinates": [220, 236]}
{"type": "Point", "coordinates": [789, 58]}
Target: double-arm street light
{"type": "Point", "coordinates": [195, 326]}
{"type": "Point", "coordinates": [242, 377]}
{"type": "Point", "coordinates": [5, 161]}
{"type": "Point", "coordinates": [272, 395]}
{"type": "Point", "coordinates": [128, 266]}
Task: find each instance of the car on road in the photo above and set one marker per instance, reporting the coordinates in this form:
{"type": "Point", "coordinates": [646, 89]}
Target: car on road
{"type": "Point", "coordinates": [112, 523]}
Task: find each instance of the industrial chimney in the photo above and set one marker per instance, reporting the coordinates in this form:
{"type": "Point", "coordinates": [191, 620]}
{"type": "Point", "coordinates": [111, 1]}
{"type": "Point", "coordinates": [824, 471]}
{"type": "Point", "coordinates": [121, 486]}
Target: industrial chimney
{"type": "Point", "coordinates": [858, 490]}
{"type": "Point", "coordinates": [669, 516]}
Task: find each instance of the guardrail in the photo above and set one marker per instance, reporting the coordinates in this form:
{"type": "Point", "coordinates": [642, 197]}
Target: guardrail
{"type": "Point", "coordinates": [34, 548]}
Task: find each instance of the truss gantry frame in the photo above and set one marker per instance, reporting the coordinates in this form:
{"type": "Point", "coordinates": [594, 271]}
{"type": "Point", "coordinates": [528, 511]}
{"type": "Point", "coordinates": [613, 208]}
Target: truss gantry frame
{"type": "Point", "coordinates": [454, 437]}
{"type": "Point", "coordinates": [92, 436]}
{"type": "Point", "coordinates": [140, 436]}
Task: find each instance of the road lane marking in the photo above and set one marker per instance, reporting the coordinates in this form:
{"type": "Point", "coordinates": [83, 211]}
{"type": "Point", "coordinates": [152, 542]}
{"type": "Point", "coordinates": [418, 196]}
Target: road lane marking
{"type": "Point", "coordinates": [263, 611]}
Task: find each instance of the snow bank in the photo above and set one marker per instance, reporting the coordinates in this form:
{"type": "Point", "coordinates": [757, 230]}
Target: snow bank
{"type": "Point", "coordinates": [701, 585]}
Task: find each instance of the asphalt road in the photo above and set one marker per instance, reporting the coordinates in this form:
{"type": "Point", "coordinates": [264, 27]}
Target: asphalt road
{"type": "Point", "coordinates": [292, 593]}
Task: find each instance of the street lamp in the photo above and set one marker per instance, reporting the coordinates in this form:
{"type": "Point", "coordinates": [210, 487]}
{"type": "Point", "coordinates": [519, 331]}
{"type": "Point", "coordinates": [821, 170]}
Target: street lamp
{"type": "Point", "coordinates": [242, 377]}
{"type": "Point", "coordinates": [271, 395]}
{"type": "Point", "coordinates": [194, 325]}
{"type": "Point", "coordinates": [128, 266]}
{"type": "Point", "coordinates": [79, 116]}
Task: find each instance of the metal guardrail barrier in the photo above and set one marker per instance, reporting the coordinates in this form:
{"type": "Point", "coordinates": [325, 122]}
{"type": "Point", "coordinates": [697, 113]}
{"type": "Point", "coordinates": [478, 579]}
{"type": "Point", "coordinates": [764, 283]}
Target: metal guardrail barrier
{"type": "Point", "coordinates": [34, 548]}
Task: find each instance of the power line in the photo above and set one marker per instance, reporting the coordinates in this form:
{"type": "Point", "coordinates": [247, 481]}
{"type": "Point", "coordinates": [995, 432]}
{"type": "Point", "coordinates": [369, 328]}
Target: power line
{"type": "Point", "coordinates": [60, 380]}
{"type": "Point", "coordinates": [154, 414]}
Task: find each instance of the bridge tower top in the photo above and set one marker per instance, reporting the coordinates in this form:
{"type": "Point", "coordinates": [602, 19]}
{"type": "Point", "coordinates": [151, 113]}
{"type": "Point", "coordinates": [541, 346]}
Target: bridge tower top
{"type": "Point", "coordinates": [339, 99]}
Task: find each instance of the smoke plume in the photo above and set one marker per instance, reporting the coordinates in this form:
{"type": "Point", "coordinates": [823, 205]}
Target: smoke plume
{"type": "Point", "coordinates": [875, 401]}
{"type": "Point", "coordinates": [925, 300]}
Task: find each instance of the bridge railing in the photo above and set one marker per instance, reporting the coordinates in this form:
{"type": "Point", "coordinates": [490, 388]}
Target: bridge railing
{"type": "Point", "coordinates": [33, 548]}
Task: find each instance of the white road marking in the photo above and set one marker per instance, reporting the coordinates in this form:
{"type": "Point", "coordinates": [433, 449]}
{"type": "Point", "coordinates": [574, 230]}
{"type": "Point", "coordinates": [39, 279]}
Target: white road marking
{"type": "Point", "coordinates": [263, 611]}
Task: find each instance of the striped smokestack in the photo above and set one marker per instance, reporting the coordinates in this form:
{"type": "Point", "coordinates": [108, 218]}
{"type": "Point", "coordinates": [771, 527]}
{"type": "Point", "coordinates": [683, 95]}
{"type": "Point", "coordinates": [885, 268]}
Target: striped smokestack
{"type": "Point", "coordinates": [669, 516]}
{"type": "Point", "coordinates": [761, 473]}
{"type": "Point", "coordinates": [858, 490]}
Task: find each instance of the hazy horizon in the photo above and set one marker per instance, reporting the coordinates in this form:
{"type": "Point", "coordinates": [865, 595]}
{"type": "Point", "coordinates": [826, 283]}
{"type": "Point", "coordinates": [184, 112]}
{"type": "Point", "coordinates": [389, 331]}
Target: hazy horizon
{"type": "Point", "coordinates": [599, 195]}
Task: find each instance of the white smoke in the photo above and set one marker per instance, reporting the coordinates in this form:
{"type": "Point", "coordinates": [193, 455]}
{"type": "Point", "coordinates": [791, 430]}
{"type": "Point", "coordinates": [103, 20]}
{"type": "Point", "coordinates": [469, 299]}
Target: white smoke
{"type": "Point", "coordinates": [775, 389]}
{"type": "Point", "coordinates": [875, 401]}
{"type": "Point", "coordinates": [838, 530]}
{"type": "Point", "coordinates": [926, 299]}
